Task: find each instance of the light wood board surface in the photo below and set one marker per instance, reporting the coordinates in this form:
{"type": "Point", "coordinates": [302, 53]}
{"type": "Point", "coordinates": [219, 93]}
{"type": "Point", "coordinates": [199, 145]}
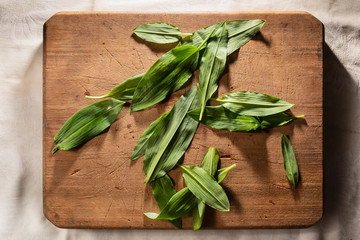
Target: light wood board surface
{"type": "Point", "coordinates": [97, 186]}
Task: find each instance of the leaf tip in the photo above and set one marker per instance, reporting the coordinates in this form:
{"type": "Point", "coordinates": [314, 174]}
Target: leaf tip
{"type": "Point", "coordinates": [55, 149]}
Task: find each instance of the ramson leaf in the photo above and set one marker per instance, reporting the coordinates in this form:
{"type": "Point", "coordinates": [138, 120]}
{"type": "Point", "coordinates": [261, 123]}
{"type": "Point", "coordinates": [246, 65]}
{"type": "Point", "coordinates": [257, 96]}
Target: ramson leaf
{"type": "Point", "coordinates": [220, 118]}
{"type": "Point", "coordinates": [290, 163]}
{"type": "Point", "coordinates": [167, 75]}
{"type": "Point", "coordinates": [87, 123]}
{"type": "Point", "coordinates": [205, 187]}
{"type": "Point", "coordinates": [253, 103]}
{"type": "Point", "coordinates": [277, 120]}
{"type": "Point", "coordinates": [212, 65]}
{"type": "Point", "coordinates": [159, 32]}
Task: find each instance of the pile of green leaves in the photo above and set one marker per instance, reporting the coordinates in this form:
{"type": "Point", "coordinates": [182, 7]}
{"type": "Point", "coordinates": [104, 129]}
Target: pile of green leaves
{"type": "Point", "coordinates": [167, 138]}
{"type": "Point", "coordinates": [202, 188]}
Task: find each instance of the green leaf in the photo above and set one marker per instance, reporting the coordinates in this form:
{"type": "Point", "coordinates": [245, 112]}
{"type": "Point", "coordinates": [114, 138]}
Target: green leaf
{"type": "Point", "coordinates": [211, 160]}
{"type": "Point", "coordinates": [140, 146]}
{"type": "Point", "coordinates": [212, 65]}
{"type": "Point", "coordinates": [241, 31]}
{"type": "Point", "coordinates": [198, 214]}
{"type": "Point", "coordinates": [205, 187]}
{"type": "Point", "coordinates": [87, 123]}
{"type": "Point", "coordinates": [159, 32]}
{"type": "Point", "coordinates": [184, 202]}
{"type": "Point", "coordinates": [180, 205]}
{"type": "Point", "coordinates": [220, 118]}
{"type": "Point", "coordinates": [223, 172]}
{"type": "Point", "coordinates": [253, 103]}
{"type": "Point", "coordinates": [290, 164]}
{"type": "Point", "coordinates": [210, 164]}
{"type": "Point", "coordinates": [123, 91]}
{"type": "Point", "coordinates": [277, 120]}
{"type": "Point", "coordinates": [163, 189]}
{"type": "Point", "coordinates": [171, 137]}
{"type": "Point", "coordinates": [168, 74]}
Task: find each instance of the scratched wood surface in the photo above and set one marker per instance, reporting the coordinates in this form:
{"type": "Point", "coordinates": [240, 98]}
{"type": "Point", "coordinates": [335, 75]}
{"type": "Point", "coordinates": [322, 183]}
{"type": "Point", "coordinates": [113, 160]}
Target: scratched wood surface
{"type": "Point", "coordinates": [97, 186]}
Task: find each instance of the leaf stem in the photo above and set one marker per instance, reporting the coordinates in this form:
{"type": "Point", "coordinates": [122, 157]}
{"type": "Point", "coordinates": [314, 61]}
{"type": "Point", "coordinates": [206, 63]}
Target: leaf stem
{"type": "Point", "coordinates": [96, 97]}
{"type": "Point", "coordinates": [186, 34]}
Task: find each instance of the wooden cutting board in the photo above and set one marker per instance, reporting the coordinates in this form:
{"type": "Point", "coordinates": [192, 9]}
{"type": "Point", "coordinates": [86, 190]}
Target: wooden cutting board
{"type": "Point", "coordinates": [97, 186]}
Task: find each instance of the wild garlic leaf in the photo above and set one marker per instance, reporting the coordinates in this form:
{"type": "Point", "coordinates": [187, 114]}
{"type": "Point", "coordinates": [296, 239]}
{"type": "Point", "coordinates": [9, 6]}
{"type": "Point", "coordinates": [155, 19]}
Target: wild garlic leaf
{"type": "Point", "coordinates": [123, 91]}
{"type": "Point", "coordinates": [241, 31]}
{"type": "Point", "coordinates": [163, 189]}
{"type": "Point", "coordinates": [140, 146]}
{"type": "Point", "coordinates": [180, 205]}
{"type": "Point", "coordinates": [290, 163]}
{"type": "Point", "coordinates": [166, 75]}
{"type": "Point", "coordinates": [171, 137]}
{"type": "Point", "coordinates": [223, 172]}
{"type": "Point", "coordinates": [210, 161]}
{"type": "Point", "coordinates": [171, 70]}
{"type": "Point", "coordinates": [220, 118]}
{"type": "Point", "coordinates": [210, 164]}
{"type": "Point", "coordinates": [277, 120]}
{"type": "Point", "coordinates": [87, 123]}
{"type": "Point", "coordinates": [198, 214]}
{"type": "Point", "coordinates": [253, 103]}
{"type": "Point", "coordinates": [158, 32]}
{"type": "Point", "coordinates": [205, 187]}
{"type": "Point", "coordinates": [212, 65]}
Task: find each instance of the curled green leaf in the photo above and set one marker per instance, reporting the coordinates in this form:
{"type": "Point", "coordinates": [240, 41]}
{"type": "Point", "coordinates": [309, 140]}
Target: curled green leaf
{"type": "Point", "coordinates": [205, 187]}
{"type": "Point", "coordinates": [158, 32]}
{"type": "Point", "coordinates": [290, 163]}
{"type": "Point", "coordinates": [87, 123]}
{"type": "Point", "coordinates": [253, 103]}
{"type": "Point", "coordinates": [220, 118]}
{"type": "Point", "coordinates": [123, 91]}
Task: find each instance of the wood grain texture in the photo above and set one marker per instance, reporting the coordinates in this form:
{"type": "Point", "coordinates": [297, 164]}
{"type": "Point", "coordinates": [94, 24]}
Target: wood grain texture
{"type": "Point", "coordinates": [97, 186]}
